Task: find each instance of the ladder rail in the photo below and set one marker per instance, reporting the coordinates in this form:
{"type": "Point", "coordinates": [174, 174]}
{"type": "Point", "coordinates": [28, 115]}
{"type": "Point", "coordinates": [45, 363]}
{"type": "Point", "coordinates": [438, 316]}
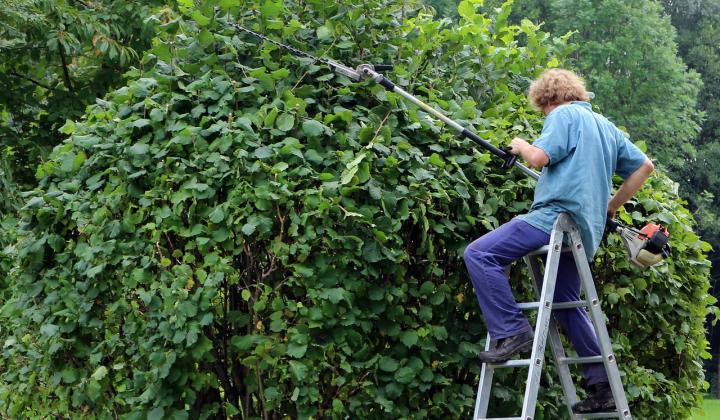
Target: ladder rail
{"type": "Point", "coordinates": [484, 387]}
{"type": "Point", "coordinates": [543, 323]}
{"type": "Point", "coordinates": [558, 351]}
{"type": "Point", "coordinates": [598, 320]}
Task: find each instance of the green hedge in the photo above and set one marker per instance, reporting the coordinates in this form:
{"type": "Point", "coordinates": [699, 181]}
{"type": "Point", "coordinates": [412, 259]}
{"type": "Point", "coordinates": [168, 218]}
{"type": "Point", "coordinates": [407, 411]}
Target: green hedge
{"type": "Point", "coordinates": [240, 232]}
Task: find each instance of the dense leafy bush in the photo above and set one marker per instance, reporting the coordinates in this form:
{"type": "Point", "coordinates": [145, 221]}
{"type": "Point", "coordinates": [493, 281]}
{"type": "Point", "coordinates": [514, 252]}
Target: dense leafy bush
{"type": "Point", "coordinates": [239, 232]}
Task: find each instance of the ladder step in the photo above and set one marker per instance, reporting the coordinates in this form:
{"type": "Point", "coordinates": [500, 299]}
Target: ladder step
{"type": "Point", "coordinates": [611, 414]}
{"type": "Point", "coordinates": [544, 250]}
{"type": "Point", "coordinates": [580, 360]}
{"type": "Point", "coordinates": [511, 363]}
{"type": "Point", "coordinates": [503, 418]}
{"type": "Point", "coordinates": [557, 305]}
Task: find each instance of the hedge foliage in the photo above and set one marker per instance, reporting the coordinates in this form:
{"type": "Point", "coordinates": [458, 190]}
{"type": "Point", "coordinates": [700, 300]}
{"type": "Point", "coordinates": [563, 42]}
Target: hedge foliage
{"type": "Point", "coordinates": [242, 233]}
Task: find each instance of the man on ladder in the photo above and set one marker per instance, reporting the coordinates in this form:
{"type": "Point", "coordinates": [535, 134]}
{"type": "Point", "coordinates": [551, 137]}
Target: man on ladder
{"type": "Point", "coordinates": [579, 152]}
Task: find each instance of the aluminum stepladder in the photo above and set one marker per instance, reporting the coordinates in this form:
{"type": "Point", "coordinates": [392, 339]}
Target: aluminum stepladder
{"type": "Point", "coordinates": [544, 286]}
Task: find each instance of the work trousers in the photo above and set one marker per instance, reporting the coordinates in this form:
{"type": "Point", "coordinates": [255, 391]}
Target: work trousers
{"type": "Point", "coordinates": [486, 259]}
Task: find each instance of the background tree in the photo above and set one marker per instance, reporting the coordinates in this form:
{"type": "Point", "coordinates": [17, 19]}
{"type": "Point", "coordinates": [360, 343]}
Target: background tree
{"type": "Point", "coordinates": [698, 25]}
{"type": "Point", "coordinates": [56, 57]}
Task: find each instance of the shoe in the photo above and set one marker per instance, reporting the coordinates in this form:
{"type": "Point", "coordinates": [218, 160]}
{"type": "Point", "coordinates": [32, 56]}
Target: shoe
{"type": "Point", "coordinates": [508, 347]}
{"type": "Point", "coordinates": [599, 398]}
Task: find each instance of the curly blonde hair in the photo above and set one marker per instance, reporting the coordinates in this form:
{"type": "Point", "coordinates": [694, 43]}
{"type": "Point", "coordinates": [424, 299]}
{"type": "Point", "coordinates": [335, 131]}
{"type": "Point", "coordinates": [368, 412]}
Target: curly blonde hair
{"type": "Point", "coordinates": [556, 86]}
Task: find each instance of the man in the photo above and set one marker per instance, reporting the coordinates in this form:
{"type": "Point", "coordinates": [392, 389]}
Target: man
{"type": "Point", "coordinates": [578, 151]}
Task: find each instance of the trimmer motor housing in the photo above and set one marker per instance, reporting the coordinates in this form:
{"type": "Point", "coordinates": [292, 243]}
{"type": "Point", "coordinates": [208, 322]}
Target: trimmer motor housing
{"type": "Point", "coordinates": [647, 246]}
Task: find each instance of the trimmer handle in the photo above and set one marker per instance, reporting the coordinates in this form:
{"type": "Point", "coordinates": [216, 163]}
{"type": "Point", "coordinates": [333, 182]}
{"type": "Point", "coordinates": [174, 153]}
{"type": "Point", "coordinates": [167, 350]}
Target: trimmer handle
{"type": "Point", "coordinates": [382, 67]}
{"type": "Point", "coordinates": [509, 159]}
{"type": "Point", "coordinates": [611, 225]}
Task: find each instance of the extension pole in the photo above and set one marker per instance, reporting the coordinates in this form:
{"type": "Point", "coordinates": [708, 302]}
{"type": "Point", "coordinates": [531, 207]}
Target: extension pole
{"type": "Point", "coordinates": [368, 71]}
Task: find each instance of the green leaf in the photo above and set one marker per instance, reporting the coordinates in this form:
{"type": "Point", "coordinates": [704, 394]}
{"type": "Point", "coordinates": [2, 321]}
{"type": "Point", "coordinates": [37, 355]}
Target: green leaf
{"type": "Point", "coordinates": [271, 9]}
{"type": "Point", "coordinates": [68, 128]}
{"type": "Point", "coordinates": [140, 123]}
{"type": "Point", "coordinates": [348, 175]}
{"type": "Point", "coordinates": [427, 288]}
{"type": "Point", "coordinates": [249, 228]}
{"type": "Point", "coordinates": [313, 128]}
{"type": "Point", "coordinates": [436, 160]}
{"type": "Point", "coordinates": [409, 338]}
{"type": "Point", "coordinates": [187, 309]}
{"type": "Point", "coordinates": [156, 115]}
{"type": "Point", "coordinates": [404, 375]}
{"type": "Point", "coordinates": [376, 293]}
{"type": "Point", "coordinates": [334, 295]}
{"type": "Point", "coordinates": [94, 271]}
{"type": "Point", "coordinates": [263, 152]}
{"type": "Point", "coordinates": [201, 19]}
{"type": "Point", "coordinates": [100, 373]}
{"type": "Point", "coordinates": [613, 298]}
{"type": "Point", "coordinates": [285, 122]}
{"type": "Point", "coordinates": [466, 9]}
{"type": "Point", "coordinates": [298, 370]}
{"type": "Point", "coordinates": [245, 342]}
{"type": "Point", "coordinates": [138, 149]}
{"type": "Point", "coordinates": [297, 350]}
{"type": "Point", "coordinates": [324, 33]}
{"type": "Point", "coordinates": [388, 364]}
{"type": "Point", "coordinates": [217, 215]}
{"type": "Point", "coordinates": [371, 252]}
{"type": "Point", "coordinates": [279, 167]}
{"type": "Point", "coordinates": [69, 375]}
{"type": "Point", "coordinates": [157, 413]}
{"type": "Point", "coordinates": [49, 330]}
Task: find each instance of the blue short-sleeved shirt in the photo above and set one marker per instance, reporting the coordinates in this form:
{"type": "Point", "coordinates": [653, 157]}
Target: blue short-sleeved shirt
{"type": "Point", "coordinates": [585, 150]}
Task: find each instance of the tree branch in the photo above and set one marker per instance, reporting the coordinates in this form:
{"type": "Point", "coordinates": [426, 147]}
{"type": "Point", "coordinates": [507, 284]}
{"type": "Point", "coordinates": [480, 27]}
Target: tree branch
{"type": "Point", "coordinates": [66, 73]}
{"type": "Point", "coordinates": [35, 82]}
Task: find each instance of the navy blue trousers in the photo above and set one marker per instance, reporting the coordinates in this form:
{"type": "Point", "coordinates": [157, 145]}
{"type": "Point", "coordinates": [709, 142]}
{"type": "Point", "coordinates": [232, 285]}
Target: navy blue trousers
{"type": "Point", "coordinates": [486, 259]}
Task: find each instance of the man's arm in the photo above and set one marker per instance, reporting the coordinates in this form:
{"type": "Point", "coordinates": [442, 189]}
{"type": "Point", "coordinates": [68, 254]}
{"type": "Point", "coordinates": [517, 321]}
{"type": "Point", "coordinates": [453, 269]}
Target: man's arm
{"type": "Point", "coordinates": [534, 156]}
{"type": "Point", "coordinates": [631, 185]}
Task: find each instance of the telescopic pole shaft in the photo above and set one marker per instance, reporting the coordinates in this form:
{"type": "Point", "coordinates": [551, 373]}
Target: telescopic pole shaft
{"type": "Point", "coordinates": [368, 72]}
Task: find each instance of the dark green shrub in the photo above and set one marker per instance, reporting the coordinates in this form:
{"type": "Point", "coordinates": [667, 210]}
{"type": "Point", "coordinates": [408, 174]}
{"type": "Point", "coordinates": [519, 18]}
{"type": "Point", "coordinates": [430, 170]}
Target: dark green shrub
{"type": "Point", "coordinates": [239, 232]}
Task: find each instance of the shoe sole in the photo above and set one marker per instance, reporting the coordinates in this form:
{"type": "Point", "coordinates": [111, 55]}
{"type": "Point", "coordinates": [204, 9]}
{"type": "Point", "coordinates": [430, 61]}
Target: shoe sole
{"type": "Point", "coordinates": [521, 348]}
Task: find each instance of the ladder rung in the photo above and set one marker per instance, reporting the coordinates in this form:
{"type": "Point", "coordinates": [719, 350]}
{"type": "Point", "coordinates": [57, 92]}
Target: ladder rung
{"type": "Point", "coordinates": [512, 363]}
{"type": "Point", "coordinates": [544, 250]}
{"type": "Point", "coordinates": [580, 360]}
{"type": "Point", "coordinates": [558, 305]}
{"type": "Point", "coordinates": [503, 418]}
{"type": "Point", "coordinates": [611, 414]}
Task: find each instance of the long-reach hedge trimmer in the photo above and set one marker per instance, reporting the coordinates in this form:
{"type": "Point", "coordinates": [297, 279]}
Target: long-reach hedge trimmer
{"type": "Point", "coordinates": [646, 247]}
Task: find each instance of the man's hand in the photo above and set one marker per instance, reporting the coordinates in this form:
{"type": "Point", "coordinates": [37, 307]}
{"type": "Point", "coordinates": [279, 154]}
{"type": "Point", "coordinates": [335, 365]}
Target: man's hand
{"type": "Point", "coordinates": [534, 156]}
{"type": "Point", "coordinates": [517, 145]}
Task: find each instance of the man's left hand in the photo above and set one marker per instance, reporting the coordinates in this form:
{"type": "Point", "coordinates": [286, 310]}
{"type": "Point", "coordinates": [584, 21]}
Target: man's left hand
{"type": "Point", "coordinates": [517, 145]}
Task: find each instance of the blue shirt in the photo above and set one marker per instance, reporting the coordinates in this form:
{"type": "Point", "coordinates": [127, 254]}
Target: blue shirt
{"type": "Point", "coordinates": [585, 150]}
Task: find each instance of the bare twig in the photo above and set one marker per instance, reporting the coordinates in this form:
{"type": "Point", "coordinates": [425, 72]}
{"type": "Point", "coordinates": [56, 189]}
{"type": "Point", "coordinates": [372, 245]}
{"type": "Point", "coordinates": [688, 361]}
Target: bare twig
{"type": "Point", "coordinates": [377, 132]}
{"type": "Point", "coordinates": [261, 389]}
